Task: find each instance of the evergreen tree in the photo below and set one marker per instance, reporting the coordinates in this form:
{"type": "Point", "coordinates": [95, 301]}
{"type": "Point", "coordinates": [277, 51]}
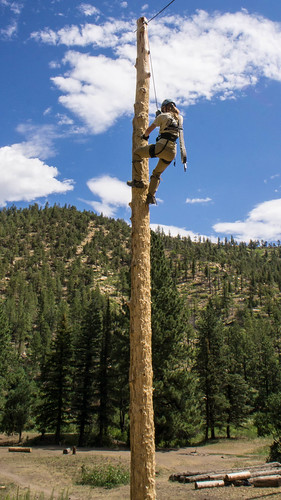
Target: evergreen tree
{"type": "Point", "coordinates": [87, 353]}
{"type": "Point", "coordinates": [18, 403]}
{"type": "Point", "coordinates": [104, 378]}
{"type": "Point", "coordinates": [211, 369]}
{"type": "Point", "coordinates": [56, 377]}
{"type": "Point", "coordinates": [6, 354]}
{"type": "Point", "coordinates": [120, 367]}
{"type": "Point", "coordinates": [238, 393]}
{"type": "Point", "coordinates": [175, 404]}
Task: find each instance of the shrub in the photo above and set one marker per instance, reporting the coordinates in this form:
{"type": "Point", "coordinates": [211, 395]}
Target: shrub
{"type": "Point", "coordinates": [105, 475]}
{"type": "Point", "coordinates": [275, 451]}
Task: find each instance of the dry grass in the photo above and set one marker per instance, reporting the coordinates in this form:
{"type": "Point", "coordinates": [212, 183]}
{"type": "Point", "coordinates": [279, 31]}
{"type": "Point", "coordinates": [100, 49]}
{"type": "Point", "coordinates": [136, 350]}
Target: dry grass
{"type": "Point", "coordinates": [45, 470]}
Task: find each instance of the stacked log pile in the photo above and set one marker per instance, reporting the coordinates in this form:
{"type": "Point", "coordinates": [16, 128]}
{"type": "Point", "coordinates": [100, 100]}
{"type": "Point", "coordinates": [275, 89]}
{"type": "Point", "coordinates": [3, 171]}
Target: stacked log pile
{"type": "Point", "coordinates": [266, 475]}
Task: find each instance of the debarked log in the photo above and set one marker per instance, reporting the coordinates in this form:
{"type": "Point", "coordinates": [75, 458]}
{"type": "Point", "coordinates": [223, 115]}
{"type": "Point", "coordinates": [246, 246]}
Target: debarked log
{"type": "Point", "coordinates": [267, 481]}
{"type": "Point", "coordinates": [237, 475]}
{"type": "Point", "coordinates": [208, 484]}
{"type": "Point", "coordinates": [270, 472]}
{"type": "Point", "coordinates": [20, 449]}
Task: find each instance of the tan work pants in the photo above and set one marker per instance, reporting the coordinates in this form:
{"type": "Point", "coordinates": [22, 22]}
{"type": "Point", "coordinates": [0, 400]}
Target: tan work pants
{"type": "Point", "coordinates": [165, 151]}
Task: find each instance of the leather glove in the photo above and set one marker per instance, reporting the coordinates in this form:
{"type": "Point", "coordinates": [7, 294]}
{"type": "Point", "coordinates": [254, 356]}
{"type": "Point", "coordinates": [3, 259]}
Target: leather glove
{"type": "Point", "coordinates": [145, 137]}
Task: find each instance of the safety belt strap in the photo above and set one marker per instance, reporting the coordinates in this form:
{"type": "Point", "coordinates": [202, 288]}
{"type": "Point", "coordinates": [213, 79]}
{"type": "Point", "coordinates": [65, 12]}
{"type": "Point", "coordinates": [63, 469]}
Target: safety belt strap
{"type": "Point", "coordinates": [182, 145]}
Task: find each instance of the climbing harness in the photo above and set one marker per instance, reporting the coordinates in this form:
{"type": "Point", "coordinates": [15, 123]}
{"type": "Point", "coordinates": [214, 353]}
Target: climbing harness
{"type": "Point", "coordinates": [152, 149]}
{"type": "Point", "coordinates": [172, 127]}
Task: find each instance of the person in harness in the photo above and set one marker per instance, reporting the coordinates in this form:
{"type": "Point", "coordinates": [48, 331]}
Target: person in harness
{"type": "Point", "coordinates": [170, 124]}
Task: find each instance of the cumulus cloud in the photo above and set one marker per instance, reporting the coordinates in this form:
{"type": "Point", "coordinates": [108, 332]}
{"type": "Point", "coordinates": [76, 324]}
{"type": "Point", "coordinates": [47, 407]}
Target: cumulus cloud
{"type": "Point", "coordinates": [180, 231]}
{"type": "Point", "coordinates": [198, 200]}
{"type": "Point", "coordinates": [204, 56]}
{"type": "Point", "coordinates": [107, 35]}
{"type": "Point", "coordinates": [24, 178]}
{"type": "Point", "coordinates": [112, 192]}
{"type": "Point", "coordinates": [262, 223]}
{"type": "Point", "coordinates": [97, 89]}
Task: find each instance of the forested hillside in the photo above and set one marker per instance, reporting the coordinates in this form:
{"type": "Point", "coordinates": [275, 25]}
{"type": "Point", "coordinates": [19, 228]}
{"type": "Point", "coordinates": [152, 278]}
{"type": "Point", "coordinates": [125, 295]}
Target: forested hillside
{"type": "Point", "coordinates": [64, 330]}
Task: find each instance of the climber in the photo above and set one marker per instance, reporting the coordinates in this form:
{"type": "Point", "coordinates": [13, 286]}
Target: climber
{"type": "Point", "coordinates": [170, 123]}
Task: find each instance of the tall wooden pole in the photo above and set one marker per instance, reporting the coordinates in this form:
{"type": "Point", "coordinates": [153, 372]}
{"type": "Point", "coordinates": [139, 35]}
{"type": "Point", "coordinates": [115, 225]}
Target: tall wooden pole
{"type": "Point", "coordinates": [141, 390]}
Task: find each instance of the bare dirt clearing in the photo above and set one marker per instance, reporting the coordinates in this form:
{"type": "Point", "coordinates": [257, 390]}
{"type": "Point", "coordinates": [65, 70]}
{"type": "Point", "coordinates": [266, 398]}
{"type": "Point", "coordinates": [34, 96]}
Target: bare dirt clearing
{"type": "Point", "coordinates": [46, 469]}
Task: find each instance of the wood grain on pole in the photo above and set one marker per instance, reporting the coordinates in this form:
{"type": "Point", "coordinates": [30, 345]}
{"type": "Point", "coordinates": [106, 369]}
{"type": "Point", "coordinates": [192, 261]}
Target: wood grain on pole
{"type": "Point", "coordinates": [141, 391]}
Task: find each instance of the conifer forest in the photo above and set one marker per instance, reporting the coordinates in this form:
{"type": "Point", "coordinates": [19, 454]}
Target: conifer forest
{"type": "Point", "coordinates": [64, 331]}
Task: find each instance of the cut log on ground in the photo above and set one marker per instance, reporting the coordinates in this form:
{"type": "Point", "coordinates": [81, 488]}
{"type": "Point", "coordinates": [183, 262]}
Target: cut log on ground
{"type": "Point", "coordinates": [267, 481]}
{"type": "Point", "coordinates": [256, 470]}
{"type": "Point", "coordinates": [234, 476]}
{"type": "Point", "coordinates": [199, 485]}
{"type": "Point", "coordinates": [20, 449]}
{"type": "Point", "coordinates": [66, 451]}
{"type": "Point", "coordinates": [270, 472]}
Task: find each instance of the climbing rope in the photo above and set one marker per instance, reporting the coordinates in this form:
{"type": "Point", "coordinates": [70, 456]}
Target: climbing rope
{"type": "Point", "coordinates": [153, 79]}
{"type": "Point", "coordinates": [150, 56]}
{"type": "Point", "coordinates": [164, 8]}
{"type": "Point", "coordinates": [151, 65]}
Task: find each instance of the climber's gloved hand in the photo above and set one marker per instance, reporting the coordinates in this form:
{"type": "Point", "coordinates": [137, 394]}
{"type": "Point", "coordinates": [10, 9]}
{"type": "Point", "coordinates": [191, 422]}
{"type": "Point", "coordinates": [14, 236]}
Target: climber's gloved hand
{"type": "Point", "coordinates": [145, 137]}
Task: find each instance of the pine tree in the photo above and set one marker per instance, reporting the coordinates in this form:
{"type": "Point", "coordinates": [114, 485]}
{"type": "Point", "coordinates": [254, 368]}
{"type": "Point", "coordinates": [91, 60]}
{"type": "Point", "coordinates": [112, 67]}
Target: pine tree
{"type": "Point", "coordinates": [211, 368]}
{"type": "Point", "coordinates": [104, 379]}
{"type": "Point", "coordinates": [238, 393]}
{"type": "Point", "coordinates": [18, 403]}
{"type": "Point", "coordinates": [87, 353]}
{"type": "Point", "coordinates": [120, 367]}
{"type": "Point", "coordinates": [56, 377]}
{"type": "Point", "coordinates": [6, 354]}
{"type": "Point", "coordinates": [175, 407]}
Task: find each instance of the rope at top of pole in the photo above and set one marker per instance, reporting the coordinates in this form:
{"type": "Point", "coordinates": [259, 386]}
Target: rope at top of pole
{"type": "Point", "coordinates": [164, 8]}
{"type": "Point", "coordinates": [160, 11]}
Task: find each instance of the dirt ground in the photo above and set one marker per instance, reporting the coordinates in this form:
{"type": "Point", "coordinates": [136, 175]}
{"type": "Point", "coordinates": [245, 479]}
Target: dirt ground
{"type": "Point", "coordinates": [47, 469]}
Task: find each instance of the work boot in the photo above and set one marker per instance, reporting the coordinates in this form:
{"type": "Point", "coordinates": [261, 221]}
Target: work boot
{"type": "Point", "coordinates": [150, 199]}
{"type": "Point", "coordinates": [136, 184]}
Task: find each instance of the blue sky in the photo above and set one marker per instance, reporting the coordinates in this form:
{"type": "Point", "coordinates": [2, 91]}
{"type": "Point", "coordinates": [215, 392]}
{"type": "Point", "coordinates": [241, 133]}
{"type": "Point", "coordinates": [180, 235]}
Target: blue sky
{"type": "Point", "coordinates": [67, 94]}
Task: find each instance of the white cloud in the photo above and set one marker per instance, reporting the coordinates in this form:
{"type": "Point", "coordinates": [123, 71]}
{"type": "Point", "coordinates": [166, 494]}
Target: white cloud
{"type": "Point", "coordinates": [39, 140]}
{"type": "Point", "coordinates": [197, 200]}
{"type": "Point", "coordinates": [124, 5]}
{"type": "Point", "coordinates": [24, 178]}
{"type": "Point", "coordinates": [54, 64]}
{"type": "Point", "coordinates": [97, 89]}
{"type": "Point", "coordinates": [10, 31]}
{"type": "Point", "coordinates": [64, 119]}
{"type": "Point", "coordinates": [203, 56]}
{"type": "Point", "coordinates": [11, 28]}
{"type": "Point", "coordinates": [88, 9]}
{"type": "Point", "coordinates": [180, 231]}
{"type": "Point", "coordinates": [15, 7]}
{"type": "Point", "coordinates": [107, 35]}
{"type": "Point", "coordinates": [262, 223]}
{"type": "Point", "coordinates": [113, 193]}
